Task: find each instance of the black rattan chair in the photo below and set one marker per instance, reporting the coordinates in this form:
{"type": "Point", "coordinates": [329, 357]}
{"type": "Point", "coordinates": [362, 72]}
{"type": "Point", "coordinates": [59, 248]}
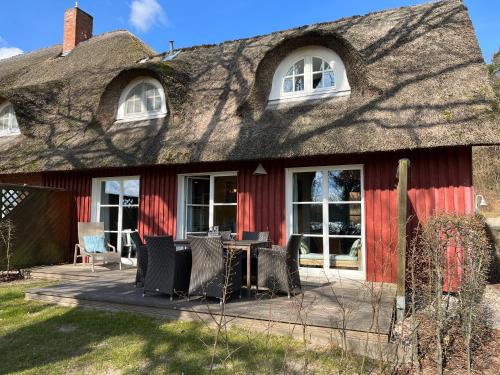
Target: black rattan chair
{"type": "Point", "coordinates": [141, 252]}
{"type": "Point", "coordinates": [278, 267]}
{"type": "Point", "coordinates": [168, 270]}
{"type": "Point", "coordinates": [225, 235]}
{"type": "Point", "coordinates": [253, 236]}
{"type": "Point", "coordinates": [210, 267]}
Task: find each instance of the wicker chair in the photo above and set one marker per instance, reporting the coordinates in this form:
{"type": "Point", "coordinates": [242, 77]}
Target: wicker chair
{"type": "Point", "coordinates": [168, 270]}
{"type": "Point", "coordinates": [210, 267]}
{"type": "Point", "coordinates": [94, 229]}
{"type": "Point", "coordinates": [278, 267]}
{"type": "Point", "coordinates": [141, 251]}
{"type": "Point", "coordinates": [253, 236]}
{"type": "Point", "coordinates": [225, 235]}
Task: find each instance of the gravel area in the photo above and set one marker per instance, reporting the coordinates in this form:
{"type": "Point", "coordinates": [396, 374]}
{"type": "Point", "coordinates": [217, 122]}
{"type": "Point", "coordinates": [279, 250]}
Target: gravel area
{"type": "Point", "coordinates": [492, 296]}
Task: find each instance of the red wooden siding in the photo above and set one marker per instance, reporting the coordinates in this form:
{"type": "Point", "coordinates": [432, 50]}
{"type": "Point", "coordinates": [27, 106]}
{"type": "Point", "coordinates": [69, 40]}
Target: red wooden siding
{"type": "Point", "coordinates": [261, 200]}
{"type": "Point", "coordinates": [158, 202]}
{"type": "Point", "coordinates": [440, 181]}
{"type": "Point", "coordinates": [80, 184]}
{"type": "Point", "coordinates": [34, 179]}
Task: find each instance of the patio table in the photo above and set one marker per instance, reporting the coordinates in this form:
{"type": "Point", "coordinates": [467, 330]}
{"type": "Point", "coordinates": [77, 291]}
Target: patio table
{"type": "Point", "coordinates": [237, 245]}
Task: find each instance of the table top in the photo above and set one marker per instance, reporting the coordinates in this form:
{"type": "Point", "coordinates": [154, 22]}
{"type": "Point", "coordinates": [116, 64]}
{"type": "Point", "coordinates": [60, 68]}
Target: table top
{"type": "Point", "coordinates": [229, 242]}
{"type": "Point", "coordinates": [244, 242]}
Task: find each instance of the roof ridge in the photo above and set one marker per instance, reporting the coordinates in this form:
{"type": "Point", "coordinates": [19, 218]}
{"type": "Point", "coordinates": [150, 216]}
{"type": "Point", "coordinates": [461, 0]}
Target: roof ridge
{"type": "Point", "coordinates": [94, 38]}
{"type": "Point", "coordinates": [295, 28]}
{"type": "Point", "coordinates": [26, 54]}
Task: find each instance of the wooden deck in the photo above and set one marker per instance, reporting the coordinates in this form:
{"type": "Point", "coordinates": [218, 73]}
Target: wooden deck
{"type": "Point", "coordinates": [319, 307]}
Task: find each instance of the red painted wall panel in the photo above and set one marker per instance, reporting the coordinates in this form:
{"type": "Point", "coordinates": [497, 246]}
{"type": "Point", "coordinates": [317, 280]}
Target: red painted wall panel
{"type": "Point", "coordinates": [440, 181]}
{"type": "Point", "coordinates": [34, 179]}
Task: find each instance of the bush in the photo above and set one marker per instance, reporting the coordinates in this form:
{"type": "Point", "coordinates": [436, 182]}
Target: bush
{"type": "Point", "coordinates": [7, 230]}
{"type": "Point", "coordinates": [448, 267]}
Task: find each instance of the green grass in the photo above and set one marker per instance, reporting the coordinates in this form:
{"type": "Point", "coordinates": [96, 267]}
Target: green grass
{"type": "Point", "coordinates": [37, 338]}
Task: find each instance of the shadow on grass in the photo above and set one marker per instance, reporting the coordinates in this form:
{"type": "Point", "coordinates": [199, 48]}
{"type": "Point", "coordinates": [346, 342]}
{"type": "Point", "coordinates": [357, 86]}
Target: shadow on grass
{"type": "Point", "coordinates": [41, 338]}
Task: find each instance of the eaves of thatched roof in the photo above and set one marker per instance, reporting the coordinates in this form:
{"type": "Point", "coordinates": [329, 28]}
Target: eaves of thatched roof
{"type": "Point", "coordinates": [417, 75]}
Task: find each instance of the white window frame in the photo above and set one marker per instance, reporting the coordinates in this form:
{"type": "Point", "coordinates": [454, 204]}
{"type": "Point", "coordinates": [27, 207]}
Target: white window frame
{"type": "Point", "coordinates": [10, 131]}
{"type": "Point", "coordinates": [95, 211]}
{"type": "Point", "coordinates": [182, 204]}
{"type": "Point", "coordinates": [341, 85]}
{"type": "Point", "coordinates": [122, 116]}
{"type": "Point", "coordinates": [327, 270]}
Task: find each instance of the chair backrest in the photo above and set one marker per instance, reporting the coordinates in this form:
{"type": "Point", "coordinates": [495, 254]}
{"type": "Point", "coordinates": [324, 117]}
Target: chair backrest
{"type": "Point", "coordinates": [136, 239]}
{"type": "Point", "coordinates": [208, 249]}
{"type": "Point", "coordinates": [255, 236]}
{"type": "Point", "coordinates": [89, 229]}
{"type": "Point", "coordinates": [293, 246]}
{"type": "Point", "coordinates": [207, 261]}
{"type": "Point", "coordinates": [160, 273]}
{"type": "Point", "coordinates": [225, 235]}
{"type": "Point", "coordinates": [292, 257]}
{"type": "Point", "coordinates": [160, 243]}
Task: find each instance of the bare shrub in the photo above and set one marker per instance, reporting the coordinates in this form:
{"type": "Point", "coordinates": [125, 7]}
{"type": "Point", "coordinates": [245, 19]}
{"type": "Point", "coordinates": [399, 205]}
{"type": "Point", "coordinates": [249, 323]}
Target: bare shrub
{"type": "Point", "coordinates": [7, 232]}
{"type": "Point", "coordinates": [487, 177]}
{"type": "Point", "coordinates": [448, 266]}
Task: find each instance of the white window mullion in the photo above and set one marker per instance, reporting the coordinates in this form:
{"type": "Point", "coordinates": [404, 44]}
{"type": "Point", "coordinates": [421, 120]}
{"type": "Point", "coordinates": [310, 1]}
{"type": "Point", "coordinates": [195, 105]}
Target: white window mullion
{"type": "Point", "coordinates": [120, 217]}
{"type": "Point", "coordinates": [308, 74]}
{"type": "Point", "coordinates": [96, 201]}
{"type": "Point", "coordinates": [144, 99]}
{"type": "Point", "coordinates": [326, 242]}
{"type": "Point", "coordinates": [184, 206]}
{"type": "Point", "coordinates": [211, 203]}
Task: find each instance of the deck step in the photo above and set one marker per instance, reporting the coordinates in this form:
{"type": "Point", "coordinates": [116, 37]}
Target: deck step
{"type": "Point", "coordinates": [363, 343]}
{"type": "Point", "coordinates": [113, 290]}
{"type": "Point", "coordinates": [57, 276]}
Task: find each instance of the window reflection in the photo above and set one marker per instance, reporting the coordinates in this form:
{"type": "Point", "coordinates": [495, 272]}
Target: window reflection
{"type": "Point", "coordinates": [308, 187]}
{"type": "Point", "coordinates": [225, 189]}
{"type": "Point", "coordinates": [344, 185]}
{"type": "Point", "coordinates": [341, 225]}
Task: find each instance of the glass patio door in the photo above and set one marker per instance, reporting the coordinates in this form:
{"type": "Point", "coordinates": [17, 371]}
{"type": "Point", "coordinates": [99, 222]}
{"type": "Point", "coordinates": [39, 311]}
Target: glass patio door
{"type": "Point", "coordinates": [207, 201]}
{"type": "Point", "coordinates": [325, 205]}
{"type": "Point", "coordinates": [116, 204]}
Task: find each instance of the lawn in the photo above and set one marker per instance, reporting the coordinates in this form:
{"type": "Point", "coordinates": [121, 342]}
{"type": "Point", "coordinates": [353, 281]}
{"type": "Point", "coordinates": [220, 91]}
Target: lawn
{"type": "Point", "coordinates": [38, 338]}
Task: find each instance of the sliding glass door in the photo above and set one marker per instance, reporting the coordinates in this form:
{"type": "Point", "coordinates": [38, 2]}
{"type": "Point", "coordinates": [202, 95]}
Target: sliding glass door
{"type": "Point", "coordinates": [325, 205]}
{"type": "Point", "coordinates": [116, 204]}
{"type": "Point", "coordinates": [206, 201]}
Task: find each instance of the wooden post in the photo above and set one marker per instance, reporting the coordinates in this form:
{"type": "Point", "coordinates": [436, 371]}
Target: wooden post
{"type": "Point", "coordinates": [402, 197]}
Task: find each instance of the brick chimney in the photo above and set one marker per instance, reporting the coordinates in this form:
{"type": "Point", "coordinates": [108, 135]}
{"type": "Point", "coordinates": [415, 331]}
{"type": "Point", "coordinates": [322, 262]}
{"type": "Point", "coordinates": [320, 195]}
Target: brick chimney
{"type": "Point", "coordinates": [77, 28]}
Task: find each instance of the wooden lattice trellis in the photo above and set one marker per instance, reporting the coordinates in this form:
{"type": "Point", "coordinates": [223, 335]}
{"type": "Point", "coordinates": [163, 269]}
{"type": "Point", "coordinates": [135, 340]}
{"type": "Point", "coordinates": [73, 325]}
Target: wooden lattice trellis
{"type": "Point", "coordinates": [10, 199]}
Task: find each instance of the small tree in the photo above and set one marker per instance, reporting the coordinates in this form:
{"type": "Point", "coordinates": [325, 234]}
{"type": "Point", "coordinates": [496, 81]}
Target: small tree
{"type": "Point", "coordinates": [7, 231]}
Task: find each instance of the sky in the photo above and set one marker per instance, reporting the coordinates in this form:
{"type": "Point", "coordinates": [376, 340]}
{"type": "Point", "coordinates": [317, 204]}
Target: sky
{"type": "Point", "coordinates": [27, 25]}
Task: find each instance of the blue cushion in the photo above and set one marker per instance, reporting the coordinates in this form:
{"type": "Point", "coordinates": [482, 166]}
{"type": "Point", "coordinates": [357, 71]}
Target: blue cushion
{"type": "Point", "coordinates": [316, 256]}
{"type": "Point", "coordinates": [95, 244]}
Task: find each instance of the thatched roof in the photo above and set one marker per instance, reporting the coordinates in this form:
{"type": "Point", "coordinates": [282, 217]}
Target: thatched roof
{"type": "Point", "coordinates": [417, 75]}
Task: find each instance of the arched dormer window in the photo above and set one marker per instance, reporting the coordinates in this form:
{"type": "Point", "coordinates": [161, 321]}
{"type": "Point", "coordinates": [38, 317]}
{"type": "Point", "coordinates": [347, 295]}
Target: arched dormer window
{"type": "Point", "coordinates": [8, 121]}
{"type": "Point", "coordinates": [142, 99]}
{"type": "Point", "coordinates": [309, 72]}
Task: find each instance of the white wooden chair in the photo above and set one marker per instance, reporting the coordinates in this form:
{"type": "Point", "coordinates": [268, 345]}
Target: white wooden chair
{"type": "Point", "coordinates": [94, 229]}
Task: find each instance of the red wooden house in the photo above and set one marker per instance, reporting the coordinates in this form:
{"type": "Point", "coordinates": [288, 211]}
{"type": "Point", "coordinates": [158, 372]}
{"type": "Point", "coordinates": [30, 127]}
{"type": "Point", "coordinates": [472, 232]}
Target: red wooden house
{"type": "Point", "coordinates": [298, 131]}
